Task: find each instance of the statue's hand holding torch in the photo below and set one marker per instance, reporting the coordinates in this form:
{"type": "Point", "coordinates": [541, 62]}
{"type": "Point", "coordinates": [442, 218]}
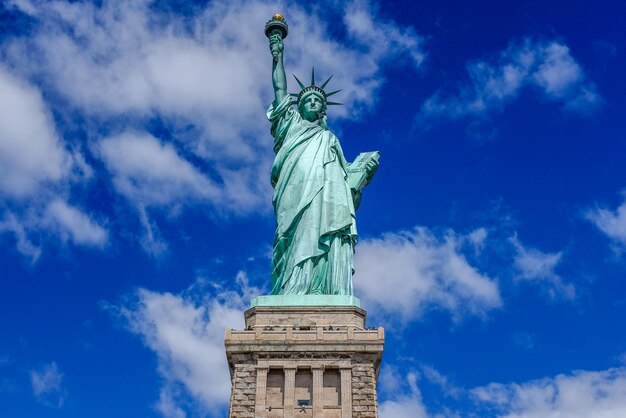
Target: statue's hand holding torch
{"type": "Point", "coordinates": [276, 45]}
{"type": "Point", "coordinates": [276, 30]}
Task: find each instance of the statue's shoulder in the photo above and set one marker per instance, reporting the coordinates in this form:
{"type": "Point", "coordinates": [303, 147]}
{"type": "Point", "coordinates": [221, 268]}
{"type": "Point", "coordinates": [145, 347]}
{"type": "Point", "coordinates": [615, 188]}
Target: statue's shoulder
{"type": "Point", "coordinates": [281, 110]}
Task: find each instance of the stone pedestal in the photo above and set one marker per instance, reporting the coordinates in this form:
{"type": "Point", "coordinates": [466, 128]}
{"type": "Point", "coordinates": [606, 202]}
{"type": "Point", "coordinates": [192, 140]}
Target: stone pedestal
{"type": "Point", "coordinates": [304, 361]}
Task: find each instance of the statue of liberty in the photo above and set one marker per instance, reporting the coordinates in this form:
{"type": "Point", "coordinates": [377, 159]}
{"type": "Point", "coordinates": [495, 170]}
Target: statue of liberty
{"type": "Point", "coordinates": [315, 191]}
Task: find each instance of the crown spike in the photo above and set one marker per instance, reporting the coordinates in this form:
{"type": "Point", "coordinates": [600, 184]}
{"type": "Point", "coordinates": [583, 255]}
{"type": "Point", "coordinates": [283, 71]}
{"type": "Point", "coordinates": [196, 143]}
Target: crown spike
{"type": "Point", "coordinates": [313, 76]}
{"type": "Point", "coordinates": [325, 82]}
{"type": "Point", "coordinates": [299, 82]}
{"type": "Point", "coordinates": [332, 92]}
{"type": "Point", "coordinates": [333, 104]}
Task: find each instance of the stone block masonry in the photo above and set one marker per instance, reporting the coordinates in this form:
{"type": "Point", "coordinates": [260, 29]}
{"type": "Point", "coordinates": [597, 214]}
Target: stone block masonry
{"type": "Point", "coordinates": [242, 401]}
{"type": "Point", "coordinates": [364, 399]}
{"type": "Point", "coordinates": [307, 361]}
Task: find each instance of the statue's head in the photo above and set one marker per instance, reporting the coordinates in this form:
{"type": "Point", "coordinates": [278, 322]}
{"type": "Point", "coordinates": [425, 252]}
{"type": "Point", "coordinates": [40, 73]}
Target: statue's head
{"type": "Point", "coordinates": [312, 106]}
{"type": "Point", "coordinates": [313, 101]}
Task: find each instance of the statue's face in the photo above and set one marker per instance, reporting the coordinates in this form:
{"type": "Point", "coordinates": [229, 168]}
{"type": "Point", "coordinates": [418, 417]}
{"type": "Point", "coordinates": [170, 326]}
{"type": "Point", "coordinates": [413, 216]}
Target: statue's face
{"type": "Point", "coordinates": [311, 107]}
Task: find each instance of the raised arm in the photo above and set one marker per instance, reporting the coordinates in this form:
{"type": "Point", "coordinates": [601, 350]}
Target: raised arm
{"type": "Point", "coordinates": [279, 79]}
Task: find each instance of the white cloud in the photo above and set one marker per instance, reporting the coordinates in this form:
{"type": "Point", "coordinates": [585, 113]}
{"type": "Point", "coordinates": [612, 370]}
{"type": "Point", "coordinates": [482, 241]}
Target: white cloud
{"type": "Point", "coordinates": [384, 39]}
{"type": "Point", "coordinates": [47, 385]}
{"type": "Point", "coordinates": [50, 218]}
{"type": "Point", "coordinates": [74, 225]}
{"type": "Point", "coordinates": [477, 238]}
{"type": "Point", "coordinates": [167, 405]}
{"type": "Point", "coordinates": [208, 83]}
{"type": "Point", "coordinates": [151, 239]}
{"type": "Point", "coordinates": [611, 223]}
{"type": "Point", "coordinates": [535, 266]}
{"type": "Point", "coordinates": [187, 334]}
{"type": "Point", "coordinates": [557, 72]}
{"type": "Point", "coordinates": [10, 223]}
{"type": "Point", "coordinates": [151, 173]}
{"type": "Point", "coordinates": [582, 394]}
{"type": "Point", "coordinates": [408, 272]}
{"type": "Point", "coordinates": [406, 406]}
{"type": "Point", "coordinates": [435, 377]}
{"type": "Point", "coordinates": [31, 153]}
{"type": "Point", "coordinates": [126, 57]}
{"type": "Point", "coordinates": [405, 403]}
{"type": "Point", "coordinates": [35, 166]}
{"type": "Point", "coordinates": [546, 66]}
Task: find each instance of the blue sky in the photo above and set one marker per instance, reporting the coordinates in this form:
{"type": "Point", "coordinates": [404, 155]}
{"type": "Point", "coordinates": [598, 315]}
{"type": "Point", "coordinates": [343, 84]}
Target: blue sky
{"type": "Point", "coordinates": [136, 219]}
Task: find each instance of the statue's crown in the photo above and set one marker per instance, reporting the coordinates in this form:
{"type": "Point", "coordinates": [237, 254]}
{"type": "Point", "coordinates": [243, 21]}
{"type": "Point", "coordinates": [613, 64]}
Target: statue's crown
{"type": "Point", "coordinates": [319, 90]}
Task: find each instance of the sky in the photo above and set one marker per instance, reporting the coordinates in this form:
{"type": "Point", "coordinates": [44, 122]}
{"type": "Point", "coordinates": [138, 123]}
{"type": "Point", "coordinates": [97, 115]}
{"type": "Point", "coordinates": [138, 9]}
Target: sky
{"type": "Point", "coordinates": [135, 201]}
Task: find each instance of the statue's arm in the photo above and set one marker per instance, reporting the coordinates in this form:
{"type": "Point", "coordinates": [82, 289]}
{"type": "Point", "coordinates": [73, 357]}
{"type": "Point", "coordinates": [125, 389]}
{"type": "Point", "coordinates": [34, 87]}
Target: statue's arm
{"type": "Point", "coordinates": [279, 78]}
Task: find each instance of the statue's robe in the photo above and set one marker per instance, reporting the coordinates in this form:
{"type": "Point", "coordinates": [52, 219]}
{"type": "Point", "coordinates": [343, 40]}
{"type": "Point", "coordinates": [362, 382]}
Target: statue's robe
{"type": "Point", "coordinates": [315, 215]}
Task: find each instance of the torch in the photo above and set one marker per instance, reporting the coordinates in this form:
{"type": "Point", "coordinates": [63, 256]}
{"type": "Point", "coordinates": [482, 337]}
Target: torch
{"type": "Point", "coordinates": [276, 25]}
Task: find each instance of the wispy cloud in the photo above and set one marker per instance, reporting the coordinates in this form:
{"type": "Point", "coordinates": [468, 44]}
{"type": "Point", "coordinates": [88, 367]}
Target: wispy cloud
{"type": "Point", "coordinates": [35, 169]}
{"type": "Point", "coordinates": [112, 69]}
{"type": "Point", "coordinates": [127, 59]}
{"type": "Point", "coordinates": [167, 405]}
{"type": "Point", "coordinates": [384, 39]}
{"type": "Point", "coordinates": [610, 222]}
{"type": "Point", "coordinates": [31, 151]}
{"type": "Point", "coordinates": [546, 67]}
{"type": "Point", "coordinates": [72, 224]}
{"type": "Point", "coordinates": [406, 400]}
{"type": "Point", "coordinates": [538, 267]}
{"type": "Point", "coordinates": [11, 223]}
{"type": "Point", "coordinates": [186, 332]}
{"type": "Point", "coordinates": [406, 273]}
{"type": "Point", "coordinates": [150, 173]}
{"type": "Point", "coordinates": [47, 385]}
{"type": "Point", "coordinates": [582, 394]}
{"type": "Point", "coordinates": [401, 393]}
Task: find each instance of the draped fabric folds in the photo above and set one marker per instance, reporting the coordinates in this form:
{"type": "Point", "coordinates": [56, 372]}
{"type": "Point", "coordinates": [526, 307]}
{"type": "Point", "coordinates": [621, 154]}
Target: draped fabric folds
{"type": "Point", "coordinates": [315, 215]}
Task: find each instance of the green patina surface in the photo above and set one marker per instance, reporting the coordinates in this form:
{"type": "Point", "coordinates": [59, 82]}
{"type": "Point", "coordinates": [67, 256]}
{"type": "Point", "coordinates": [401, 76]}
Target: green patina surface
{"type": "Point", "coordinates": [306, 300]}
{"type": "Point", "coordinates": [316, 194]}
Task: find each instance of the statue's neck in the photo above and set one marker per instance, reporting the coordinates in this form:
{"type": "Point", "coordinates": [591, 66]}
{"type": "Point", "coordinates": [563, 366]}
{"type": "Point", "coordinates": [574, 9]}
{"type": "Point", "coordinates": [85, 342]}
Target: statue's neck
{"type": "Point", "coordinates": [319, 121]}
